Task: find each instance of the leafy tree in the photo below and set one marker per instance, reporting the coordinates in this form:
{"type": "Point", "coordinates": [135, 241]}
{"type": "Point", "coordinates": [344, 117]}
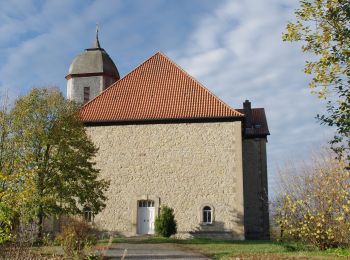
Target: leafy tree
{"type": "Point", "coordinates": [165, 224]}
{"type": "Point", "coordinates": [15, 184]}
{"type": "Point", "coordinates": [323, 26]}
{"type": "Point", "coordinates": [5, 223]}
{"type": "Point", "coordinates": [51, 143]}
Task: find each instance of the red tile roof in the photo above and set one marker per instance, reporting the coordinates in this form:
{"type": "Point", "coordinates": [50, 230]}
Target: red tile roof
{"type": "Point", "coordinates": [259, 123]}
{"type": "Point", "coordinates": [158, 89]}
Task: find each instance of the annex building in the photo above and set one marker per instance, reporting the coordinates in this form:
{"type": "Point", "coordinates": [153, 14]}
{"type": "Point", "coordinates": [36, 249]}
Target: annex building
{"type": "Point", "coordinates": [165, 139]}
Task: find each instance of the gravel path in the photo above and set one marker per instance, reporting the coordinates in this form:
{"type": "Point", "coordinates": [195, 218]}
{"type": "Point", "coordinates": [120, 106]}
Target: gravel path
{"type": "Point", "coordinates": [151, 251]}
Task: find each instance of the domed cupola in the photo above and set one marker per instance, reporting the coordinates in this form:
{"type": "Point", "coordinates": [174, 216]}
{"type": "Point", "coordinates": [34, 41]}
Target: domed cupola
{"type": "Point", "coordinates": [90, 73]}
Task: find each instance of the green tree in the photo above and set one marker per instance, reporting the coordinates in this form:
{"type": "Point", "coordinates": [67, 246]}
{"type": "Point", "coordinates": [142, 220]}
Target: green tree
{"type": "Point", "coordinates": [5, 223]}
{"type": "Point", "coordinates": [165, 224]}
{"type": "Point", "coordinates": [323, 26]}
{"type": "Point", "coordinates": [15, 184]}
{"type": "Point", "coordinates": [51, 143]}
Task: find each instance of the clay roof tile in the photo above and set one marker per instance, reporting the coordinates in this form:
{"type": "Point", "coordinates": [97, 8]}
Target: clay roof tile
{"type": "Point", "coordinates": [155, 90]}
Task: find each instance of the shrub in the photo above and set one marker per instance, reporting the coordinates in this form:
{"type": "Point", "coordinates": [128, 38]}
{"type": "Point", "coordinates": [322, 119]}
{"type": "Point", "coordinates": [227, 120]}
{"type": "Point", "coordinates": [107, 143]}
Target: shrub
{"type": "Point", "coordinates": [5, 223]}
{"type": "Point", "coordinates": [314, 206]}
{"type": "Point", "coordinates": [165, 224]}
{"type": "Point", "coordinates": [76, 237]}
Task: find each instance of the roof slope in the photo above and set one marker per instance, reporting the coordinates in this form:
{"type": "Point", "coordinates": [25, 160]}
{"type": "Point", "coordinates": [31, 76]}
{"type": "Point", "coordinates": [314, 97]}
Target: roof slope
{"type": "Point", "coordinates": [259, 123]}
{"type": "Point", "coordinates": [158, 89]}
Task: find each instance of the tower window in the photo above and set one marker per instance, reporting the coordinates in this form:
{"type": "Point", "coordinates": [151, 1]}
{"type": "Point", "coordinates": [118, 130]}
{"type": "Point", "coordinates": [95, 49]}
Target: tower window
{"type": "Point", "coordinates": [86, 94]}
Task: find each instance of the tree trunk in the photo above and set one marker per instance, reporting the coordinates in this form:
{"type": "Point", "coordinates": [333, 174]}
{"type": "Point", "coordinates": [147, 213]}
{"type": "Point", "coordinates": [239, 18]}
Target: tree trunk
{"type": "Point", "coordinates": [40, 224]}
{"type": "Point", "coordinates": [40, 214]}
{"type": "Point", "coordinates": [41, 194]}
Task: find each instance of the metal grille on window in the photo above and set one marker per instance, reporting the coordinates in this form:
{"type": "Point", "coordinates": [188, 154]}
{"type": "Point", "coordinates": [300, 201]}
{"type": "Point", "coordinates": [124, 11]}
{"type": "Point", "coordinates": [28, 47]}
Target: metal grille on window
{"type": "Point", "coordinates": [86, 94]}
{"type": "Point", "coordinates": [207, 215]}
{"type": "Point", "coordinates": [146, 203]}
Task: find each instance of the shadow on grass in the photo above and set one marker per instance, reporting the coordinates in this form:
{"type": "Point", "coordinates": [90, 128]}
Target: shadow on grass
{"type": "Point", "coordinates": [291, 248]}
{"type": "Point", "coordinates": [297, 247]}
{"type": "Point", "coordinates": [194, 241]}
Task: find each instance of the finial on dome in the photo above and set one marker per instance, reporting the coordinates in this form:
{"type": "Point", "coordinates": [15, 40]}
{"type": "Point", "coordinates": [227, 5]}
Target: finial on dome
{"type": "Point", "coordinates": [96, 43]}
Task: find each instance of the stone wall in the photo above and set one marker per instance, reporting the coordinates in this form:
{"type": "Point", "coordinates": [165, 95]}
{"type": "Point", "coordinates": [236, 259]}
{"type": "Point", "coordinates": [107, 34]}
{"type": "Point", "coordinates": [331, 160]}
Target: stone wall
{"type": "Point", "coordinates": [185, 166]}
{"type": "Point", "coordinates": [256, 208]}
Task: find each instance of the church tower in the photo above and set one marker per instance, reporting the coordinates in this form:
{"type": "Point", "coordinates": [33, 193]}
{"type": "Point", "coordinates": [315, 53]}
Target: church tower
{"type": "Point", "coordinates": [90, 73]}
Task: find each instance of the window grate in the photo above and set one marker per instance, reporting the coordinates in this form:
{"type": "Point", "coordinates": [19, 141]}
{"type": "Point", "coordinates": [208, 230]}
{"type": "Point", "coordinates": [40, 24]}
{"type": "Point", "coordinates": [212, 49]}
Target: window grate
{"type": "Point", "coordinates": [146, 203]}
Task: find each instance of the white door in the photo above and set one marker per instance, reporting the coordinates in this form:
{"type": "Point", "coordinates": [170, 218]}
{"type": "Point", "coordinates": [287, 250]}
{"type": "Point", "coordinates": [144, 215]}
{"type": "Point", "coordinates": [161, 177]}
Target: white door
{"type": "Point", "coordinates": [145, 218]}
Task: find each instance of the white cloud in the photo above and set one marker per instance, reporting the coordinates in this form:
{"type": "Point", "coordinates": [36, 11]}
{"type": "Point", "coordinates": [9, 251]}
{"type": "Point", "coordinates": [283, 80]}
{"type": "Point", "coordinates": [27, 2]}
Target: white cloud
{"type": "Point", "coordinates": [40, 38]}
{"type": "Point", "coordinates": [237, 52]}
{"type": "Point", "coordinates": [36, 47]}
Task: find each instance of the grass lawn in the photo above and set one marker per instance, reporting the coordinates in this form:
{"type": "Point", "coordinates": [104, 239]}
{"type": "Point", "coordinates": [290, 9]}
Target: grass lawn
{"type": "Point", "coordinates": [228, 249]}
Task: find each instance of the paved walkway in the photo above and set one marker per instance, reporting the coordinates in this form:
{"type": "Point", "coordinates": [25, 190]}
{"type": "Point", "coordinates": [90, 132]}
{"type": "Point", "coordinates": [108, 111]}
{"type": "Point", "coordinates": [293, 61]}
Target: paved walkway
{"type": "Point", "coordinates": [151, 251]}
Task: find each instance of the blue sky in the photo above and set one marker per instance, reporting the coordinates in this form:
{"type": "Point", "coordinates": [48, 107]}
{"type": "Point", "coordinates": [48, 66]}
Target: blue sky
{"type": "Point", "coordinates": [233, 47]}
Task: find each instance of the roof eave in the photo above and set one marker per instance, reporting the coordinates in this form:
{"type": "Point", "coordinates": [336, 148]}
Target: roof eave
{"type": "Point", "coordinates": [256, 135]}
{"type": "Point", "coordinates": [80, 75]}
{"type": "Point", "coordinates": [162, 121]}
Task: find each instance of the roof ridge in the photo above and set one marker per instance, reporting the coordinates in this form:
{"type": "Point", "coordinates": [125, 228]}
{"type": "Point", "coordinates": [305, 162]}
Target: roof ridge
{"type": "Point", "coordinates": [195, 80]}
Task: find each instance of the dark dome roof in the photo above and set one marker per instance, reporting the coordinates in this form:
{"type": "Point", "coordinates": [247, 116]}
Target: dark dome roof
{"type": "Point", "coordinates": [94, 60]}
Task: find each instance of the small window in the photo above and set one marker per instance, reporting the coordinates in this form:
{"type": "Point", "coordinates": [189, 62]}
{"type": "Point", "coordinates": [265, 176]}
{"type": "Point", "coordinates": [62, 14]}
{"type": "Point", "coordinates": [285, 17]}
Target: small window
{"type": "Point", "coordinates": [207, 215]}
{"type": "Point", "coordinates": [86, 94]}
{"type": "Point", "coordinates": [146, 203]}
{"type": "Point", "coordinates": [88, 215]}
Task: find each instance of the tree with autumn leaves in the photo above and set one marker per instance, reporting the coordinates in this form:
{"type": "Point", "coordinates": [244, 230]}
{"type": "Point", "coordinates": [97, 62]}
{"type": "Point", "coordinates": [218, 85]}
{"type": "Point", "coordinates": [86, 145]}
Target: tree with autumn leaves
{"type": "Point", "coordinates": [323, 28]}
{"type": "Point", "coordinates": [314, 202]}
{"type": "Point", "coordinates": [46, 160]}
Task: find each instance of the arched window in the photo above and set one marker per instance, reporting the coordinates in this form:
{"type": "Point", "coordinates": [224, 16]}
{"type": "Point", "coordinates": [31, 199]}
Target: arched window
{"type": "Point", "coordinates": [207, 215]}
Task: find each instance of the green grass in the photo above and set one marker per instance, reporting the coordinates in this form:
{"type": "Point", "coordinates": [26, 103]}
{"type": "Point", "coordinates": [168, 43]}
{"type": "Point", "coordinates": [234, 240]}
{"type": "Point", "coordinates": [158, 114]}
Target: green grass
{"type": "Point", "coordinates": [262, 250]}
{"type": "Point", "coordinates": [226, 249]}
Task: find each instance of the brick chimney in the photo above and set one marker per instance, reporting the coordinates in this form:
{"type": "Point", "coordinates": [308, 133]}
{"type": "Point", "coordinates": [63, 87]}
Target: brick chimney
{"type": "Point", "coordinates": [248, 115]}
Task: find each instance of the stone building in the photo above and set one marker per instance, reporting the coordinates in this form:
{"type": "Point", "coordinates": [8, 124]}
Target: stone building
{"type": "Point", "coordinates": [165, 139]}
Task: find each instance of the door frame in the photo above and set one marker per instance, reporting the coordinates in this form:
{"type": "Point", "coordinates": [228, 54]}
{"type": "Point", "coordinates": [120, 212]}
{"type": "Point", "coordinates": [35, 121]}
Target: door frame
{"type": "Point", "coordinates": [134, 206]}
